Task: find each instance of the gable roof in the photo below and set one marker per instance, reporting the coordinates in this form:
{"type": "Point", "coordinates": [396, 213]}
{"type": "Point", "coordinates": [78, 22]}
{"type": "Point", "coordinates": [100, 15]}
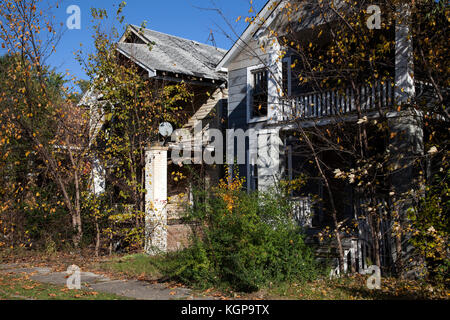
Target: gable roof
{"type": "Point", "coordinates": [172, 54]}
{"type": "Point", "coordinates": [266, 14]}
{"type": "Point", "coordinates": [308, 11]}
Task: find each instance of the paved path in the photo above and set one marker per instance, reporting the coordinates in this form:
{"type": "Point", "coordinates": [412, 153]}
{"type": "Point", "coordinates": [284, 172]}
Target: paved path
{"type": "Point", "coordinates": [136, 289]}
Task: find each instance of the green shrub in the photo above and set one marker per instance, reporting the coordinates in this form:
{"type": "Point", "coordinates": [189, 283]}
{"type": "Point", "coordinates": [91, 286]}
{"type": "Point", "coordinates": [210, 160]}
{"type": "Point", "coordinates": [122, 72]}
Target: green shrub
{"type": "Point", "coordinates": [430, 227]}
{"type": "Point", "coordinates": [244, 241]}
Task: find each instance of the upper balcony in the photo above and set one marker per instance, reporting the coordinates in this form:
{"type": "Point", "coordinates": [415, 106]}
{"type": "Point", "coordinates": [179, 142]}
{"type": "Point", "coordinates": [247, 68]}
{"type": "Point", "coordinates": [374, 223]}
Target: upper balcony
{"type": "Point", "coordinates": [338, 102]}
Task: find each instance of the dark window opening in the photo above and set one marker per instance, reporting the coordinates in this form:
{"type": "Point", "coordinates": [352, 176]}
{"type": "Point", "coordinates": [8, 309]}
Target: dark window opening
{"type": "Point", "coordinates": [285, 78]}
{"type": "Point", "coordinates": [254, 177]}
{"type": "Point", "coordinates": [298, 72]}
{"type": "Point", "coordinates": [259, 93]}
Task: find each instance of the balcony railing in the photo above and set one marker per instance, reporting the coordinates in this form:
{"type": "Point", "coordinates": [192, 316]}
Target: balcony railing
{"type": "Point", "coordinates": [302, 210]}
{"type": "Point", "coordinates": [339, 101]}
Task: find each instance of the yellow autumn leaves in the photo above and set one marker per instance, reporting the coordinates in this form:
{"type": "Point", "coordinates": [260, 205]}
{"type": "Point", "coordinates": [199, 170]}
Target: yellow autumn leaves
{"type": "Point", "coordinates": [228, 187]}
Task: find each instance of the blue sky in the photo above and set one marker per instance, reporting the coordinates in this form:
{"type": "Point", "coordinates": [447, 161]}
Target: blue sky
{"type": "Point", "coordinates": [182, 18]}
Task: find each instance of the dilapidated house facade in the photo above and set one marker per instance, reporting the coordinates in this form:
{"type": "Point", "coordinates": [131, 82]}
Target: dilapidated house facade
{"type": "Point", "coordinates": [266, 97]}
{"type": "Point", "coordinates": [167, 60]}
{"type": "Point", "coordinates": [253, 86]}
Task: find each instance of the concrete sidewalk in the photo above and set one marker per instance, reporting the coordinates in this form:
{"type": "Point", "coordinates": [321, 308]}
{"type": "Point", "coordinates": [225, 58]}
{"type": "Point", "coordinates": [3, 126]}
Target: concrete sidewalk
{"type": "Point", "coordinates": [136, 289]}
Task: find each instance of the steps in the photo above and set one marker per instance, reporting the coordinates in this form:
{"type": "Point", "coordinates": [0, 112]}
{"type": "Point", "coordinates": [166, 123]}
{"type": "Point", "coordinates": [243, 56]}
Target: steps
{"type": "Point", "coordinates": [203, 112]}
{"type": "Point", "coordinates": [326, 252]}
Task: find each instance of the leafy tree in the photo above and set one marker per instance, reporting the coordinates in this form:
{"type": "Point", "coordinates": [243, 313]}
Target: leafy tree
{"type": "Point", "coordinates": [131, 108]}
{"type": "Point", "coordinates": [42, 132]}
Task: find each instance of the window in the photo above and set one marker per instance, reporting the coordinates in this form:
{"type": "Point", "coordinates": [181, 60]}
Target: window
{"type": "Point", "coordinates": [292, 71]}
{"type": "Point", "coordinates": [259, 93]}
{"type": "Point", "coordinates": [286, 76]}
{"type": "Point", "coordinates": [253, 176]}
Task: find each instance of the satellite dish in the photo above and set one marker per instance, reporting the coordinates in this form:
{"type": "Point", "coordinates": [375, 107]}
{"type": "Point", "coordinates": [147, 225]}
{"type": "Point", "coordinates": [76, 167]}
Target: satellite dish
{"type": "Point", "coordinates": [165, 129]}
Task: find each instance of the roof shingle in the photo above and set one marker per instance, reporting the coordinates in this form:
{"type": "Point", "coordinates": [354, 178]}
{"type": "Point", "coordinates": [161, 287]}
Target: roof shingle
{"type": "Point", "coordinates": [173, 54]}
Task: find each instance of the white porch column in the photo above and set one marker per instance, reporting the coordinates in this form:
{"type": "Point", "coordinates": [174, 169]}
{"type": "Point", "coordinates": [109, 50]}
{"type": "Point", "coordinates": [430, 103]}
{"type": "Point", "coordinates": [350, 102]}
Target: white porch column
{"type": "Point", "coordinates": [96, 121]}
{"type": "Point", "coordinates": [268, 161]}
{"type": "Point", "coordinates": [404, 59]}
{"type": "Point", "coordinates": [406, 142]}
{"type": "Point", "coordinates": [156, 200]}
{"type": "Point", "coordinates": [275, 110]}
{"type": "Point", "coordinates": [98, 178]}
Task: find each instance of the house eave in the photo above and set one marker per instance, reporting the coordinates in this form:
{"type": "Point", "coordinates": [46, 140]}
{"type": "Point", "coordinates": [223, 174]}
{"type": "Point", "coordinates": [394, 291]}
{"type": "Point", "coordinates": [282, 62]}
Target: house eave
{"type": "Point", "coordinates": [151, 72]}
{"type": "Point", "coordinates": [135, 31]}
{"type": "Point", "coordinates": [266, 14]}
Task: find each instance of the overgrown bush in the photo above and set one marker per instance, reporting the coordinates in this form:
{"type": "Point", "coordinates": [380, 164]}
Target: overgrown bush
{"type": "Point", "coordinates": [244, 241]}
{"type": "Point", "coordinates": [430, 227]}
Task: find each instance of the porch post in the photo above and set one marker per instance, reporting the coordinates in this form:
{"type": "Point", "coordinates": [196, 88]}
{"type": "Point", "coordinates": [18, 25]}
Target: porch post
{"type": "Point", "coordinates": [156, 200]}
{"type": "Point", "coordinates": [404, 59]}
{"type": "Point", "coordinates": [274, 110]}
{"type": "Point", "coordinates": [98, 178]}
{"type": "Point", "coordinates": [268, 161]}
{"type": "Point", "coordinates": [406, 139]}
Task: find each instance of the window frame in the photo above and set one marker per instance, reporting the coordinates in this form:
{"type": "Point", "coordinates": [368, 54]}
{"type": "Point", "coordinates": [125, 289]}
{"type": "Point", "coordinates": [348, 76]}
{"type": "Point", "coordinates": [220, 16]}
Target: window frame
{"type": "Point", "coordinates": [288, 61]}
{"type": "Point", "coordinates": [250, 87]}
{"type": "Point", "coordinates": [252, 173]}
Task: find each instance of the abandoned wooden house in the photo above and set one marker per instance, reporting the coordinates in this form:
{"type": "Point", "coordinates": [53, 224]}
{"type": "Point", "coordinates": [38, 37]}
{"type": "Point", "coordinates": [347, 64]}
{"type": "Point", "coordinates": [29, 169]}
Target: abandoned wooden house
{"type": "Point", "coordinates": [170, 60]}
{"type": "Point", "coordinates": [248, 82]}
{"type": "Point", "coordinates": [265, 96]}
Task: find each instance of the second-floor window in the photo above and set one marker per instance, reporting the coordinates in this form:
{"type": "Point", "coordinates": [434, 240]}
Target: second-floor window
{"type": "Point", "coordinates": [292, 71]}
{"type": "Point", "coordinates": [286, 77]}
{"type": "Point", "coordinates": [259, 93]}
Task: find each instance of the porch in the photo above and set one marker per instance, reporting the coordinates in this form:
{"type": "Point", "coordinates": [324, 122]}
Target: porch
{"type": "Point", "coordinates": [338, 102]}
